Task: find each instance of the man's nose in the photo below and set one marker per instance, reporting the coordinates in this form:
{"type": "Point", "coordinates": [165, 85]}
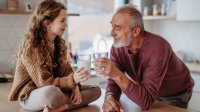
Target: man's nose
{"type": "Point", "coordinates": [113, 32]}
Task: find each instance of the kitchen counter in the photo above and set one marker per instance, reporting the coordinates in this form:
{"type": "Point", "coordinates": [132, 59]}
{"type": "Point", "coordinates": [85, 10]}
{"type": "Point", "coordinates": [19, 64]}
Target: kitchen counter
{"type": "Point", "coordinates": [193, 67]}
{"type": "Point", "coordinates": [129, 106]}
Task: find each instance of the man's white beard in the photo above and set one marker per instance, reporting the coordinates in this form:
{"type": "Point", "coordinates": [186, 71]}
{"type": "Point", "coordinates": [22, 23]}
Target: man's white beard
{"type": "Point", "coordinates": [124, 43]}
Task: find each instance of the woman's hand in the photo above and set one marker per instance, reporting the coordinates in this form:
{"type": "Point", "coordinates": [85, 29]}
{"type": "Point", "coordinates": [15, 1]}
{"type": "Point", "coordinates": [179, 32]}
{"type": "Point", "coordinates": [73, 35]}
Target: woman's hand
{"type": "Point", "coordinates": [81, 74]}
{"type": "Point", "coordinates": [76, 97]}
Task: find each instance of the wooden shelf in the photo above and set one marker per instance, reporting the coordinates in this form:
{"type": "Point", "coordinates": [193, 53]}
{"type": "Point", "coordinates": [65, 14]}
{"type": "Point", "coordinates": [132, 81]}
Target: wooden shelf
{"type": "Point", "coordinates": [158, 17]}
{"type": "Point", "coordinates": [73, 14]}
{"type": "Point", "coordinates": [15, 12]}
{"type": "Point", "coordinates": [19, 12]}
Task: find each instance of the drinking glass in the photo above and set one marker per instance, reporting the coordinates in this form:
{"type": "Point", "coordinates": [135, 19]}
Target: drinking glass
{"type": "Point", "coordinates": [84, 61]}
{"type": "Point", "coordinates": [100, 55]}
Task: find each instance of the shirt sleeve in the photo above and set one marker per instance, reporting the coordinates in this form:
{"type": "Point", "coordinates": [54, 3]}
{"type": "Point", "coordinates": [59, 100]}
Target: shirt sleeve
{"type": "Point", "coordinates": [41, 78]}
{"type": "Point", "coordinates": [112, 87]}
{"type": "Point", "coordinates": [145, 92]}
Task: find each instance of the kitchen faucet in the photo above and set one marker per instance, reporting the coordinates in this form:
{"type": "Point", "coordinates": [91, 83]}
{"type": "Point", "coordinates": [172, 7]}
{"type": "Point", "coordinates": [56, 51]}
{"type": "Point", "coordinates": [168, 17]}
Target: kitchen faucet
{"type": "Point", "coordinates": [101, 40]}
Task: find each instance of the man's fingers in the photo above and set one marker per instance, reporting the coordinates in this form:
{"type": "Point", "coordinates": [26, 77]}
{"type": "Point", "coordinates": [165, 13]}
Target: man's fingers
{"type": "Point", "coordinates": [107, 107]}
{"type": "Point", "coordinates": [120, 106]}
{"type": "Point", "coordinates": [114, 105]}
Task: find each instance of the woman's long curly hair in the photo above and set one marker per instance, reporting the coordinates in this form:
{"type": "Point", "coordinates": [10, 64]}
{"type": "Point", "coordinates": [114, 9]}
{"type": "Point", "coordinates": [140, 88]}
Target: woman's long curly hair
{"type": "Point", "coordinates": [36, 40]}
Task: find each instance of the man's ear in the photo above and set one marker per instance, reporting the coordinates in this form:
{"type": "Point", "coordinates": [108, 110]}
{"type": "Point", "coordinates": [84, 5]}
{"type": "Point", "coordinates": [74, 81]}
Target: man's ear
{"type": "Point", "coordinates": [136, 31]}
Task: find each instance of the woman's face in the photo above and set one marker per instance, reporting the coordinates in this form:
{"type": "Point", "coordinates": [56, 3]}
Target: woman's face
{"type": "Point", "coordinates": [58, 25]}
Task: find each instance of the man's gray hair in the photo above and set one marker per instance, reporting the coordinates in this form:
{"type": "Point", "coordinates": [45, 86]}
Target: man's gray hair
{"type": "Point", "coordinates": [137, 19]}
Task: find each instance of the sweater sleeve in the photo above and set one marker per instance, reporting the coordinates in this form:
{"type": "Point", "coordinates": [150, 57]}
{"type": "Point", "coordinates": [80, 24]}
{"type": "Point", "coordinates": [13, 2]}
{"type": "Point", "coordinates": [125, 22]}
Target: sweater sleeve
{"type": "Point", "coordinates": [145, 92]}
{"type": "Point", "coordinates": [41, 78]}
{"type": "Point", "coordinates": [112, 87]}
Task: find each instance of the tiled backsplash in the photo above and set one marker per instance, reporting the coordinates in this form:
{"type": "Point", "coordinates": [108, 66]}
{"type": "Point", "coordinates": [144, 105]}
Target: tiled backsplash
{"type": "Point", "coordinates": [12, 29]}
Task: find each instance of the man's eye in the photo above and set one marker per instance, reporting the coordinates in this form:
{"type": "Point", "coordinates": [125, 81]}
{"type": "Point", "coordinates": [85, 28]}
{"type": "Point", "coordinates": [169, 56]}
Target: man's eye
{"type": "Point", "coordinates": [118, 28]}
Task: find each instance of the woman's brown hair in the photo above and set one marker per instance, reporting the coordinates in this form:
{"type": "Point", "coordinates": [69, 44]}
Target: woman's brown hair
{"type": "Point", "coordinates": [36, 45]}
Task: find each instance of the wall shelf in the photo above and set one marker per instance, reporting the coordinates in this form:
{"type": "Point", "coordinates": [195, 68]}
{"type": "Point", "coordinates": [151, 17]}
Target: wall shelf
{"type": "Point", "coordinates": [158, 17]}
{"type": "Point", "coordinates": [15, 12]}
{"type": "Point", "coordinates": [20, 12]}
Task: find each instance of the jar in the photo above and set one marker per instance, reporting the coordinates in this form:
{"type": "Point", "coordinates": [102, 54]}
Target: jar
{"type": "Point", "coordinates": [155, 10]}
{"type": "Point", "coordinates": [145, 11]}
{"type": "Point", "coordinates": [12, 4]}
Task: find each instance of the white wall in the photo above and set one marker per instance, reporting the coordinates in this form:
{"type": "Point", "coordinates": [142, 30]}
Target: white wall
{"type": "Point", "coordinates": [85, 28]}
{"type": "Point", "coordinates": [183, 36]}
{"type": "Point", "coordinates": [12, 28]}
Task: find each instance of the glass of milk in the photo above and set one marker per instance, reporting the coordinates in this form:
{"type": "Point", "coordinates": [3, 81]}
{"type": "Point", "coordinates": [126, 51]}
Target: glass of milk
{"type": "Point", "coordinates": [84, 60]}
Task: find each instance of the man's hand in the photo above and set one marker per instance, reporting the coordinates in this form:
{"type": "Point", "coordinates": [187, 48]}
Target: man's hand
{"type": "Point", "coordinates": [104, 66]}
{"type": "Point", "coordinates": [76, 97]}
{"type": "Point", "coordinates": [112, 105]}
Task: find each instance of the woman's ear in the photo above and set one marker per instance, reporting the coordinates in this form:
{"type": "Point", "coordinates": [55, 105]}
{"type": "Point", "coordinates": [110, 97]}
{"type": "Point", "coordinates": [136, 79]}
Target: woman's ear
{"type": "Point", "coordinates": [47, 23]}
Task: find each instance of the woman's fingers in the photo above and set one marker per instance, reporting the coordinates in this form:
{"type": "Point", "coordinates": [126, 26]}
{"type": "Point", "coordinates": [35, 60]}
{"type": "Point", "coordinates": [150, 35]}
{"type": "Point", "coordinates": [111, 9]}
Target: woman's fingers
{"type": "Point", "coordinates": [81, 75]}
{"type": "Point", "coordinates": [74, 100]}
{"type": "Point", "coordinates": [71, 97]}
{"type": "Point", "coordinates": [77, 100]}
{"type": "Point", "coordinates": [79, 69]}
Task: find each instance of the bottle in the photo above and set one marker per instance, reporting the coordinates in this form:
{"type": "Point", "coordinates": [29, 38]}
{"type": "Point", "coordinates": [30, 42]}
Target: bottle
{"type": "Point", "coordinates": [145, 11]}
{"type": "Point", "coordinates": [155, 10]}
{"type": "Point", "coordinates": [75, 56]}
{"type": "Point", "coordinates": [69, 52]}
{"type": "Point", "coordinates": [163, 9]}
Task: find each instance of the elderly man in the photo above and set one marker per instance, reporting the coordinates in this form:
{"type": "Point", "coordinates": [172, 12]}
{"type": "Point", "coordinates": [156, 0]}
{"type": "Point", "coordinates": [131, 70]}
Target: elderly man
{"type": "Point", "coordinates": [143, 66]}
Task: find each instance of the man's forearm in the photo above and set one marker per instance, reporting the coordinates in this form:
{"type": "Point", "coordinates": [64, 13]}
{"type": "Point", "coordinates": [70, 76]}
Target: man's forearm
{"type": "Point", "coordinates": [122, 80]}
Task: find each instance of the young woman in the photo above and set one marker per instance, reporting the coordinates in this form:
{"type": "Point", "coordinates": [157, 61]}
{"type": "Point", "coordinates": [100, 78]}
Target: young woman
{"type": "Point", "coordinates": [44, 80]}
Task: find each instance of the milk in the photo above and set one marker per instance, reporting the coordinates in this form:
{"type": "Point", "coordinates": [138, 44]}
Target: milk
{"type": "Point", "coordinates": [84, 63]}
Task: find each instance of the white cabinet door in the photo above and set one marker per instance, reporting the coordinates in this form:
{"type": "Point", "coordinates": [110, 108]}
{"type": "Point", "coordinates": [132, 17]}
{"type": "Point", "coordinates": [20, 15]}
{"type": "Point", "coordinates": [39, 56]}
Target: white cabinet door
{"type": "Point", "coordinates": [188, 10]}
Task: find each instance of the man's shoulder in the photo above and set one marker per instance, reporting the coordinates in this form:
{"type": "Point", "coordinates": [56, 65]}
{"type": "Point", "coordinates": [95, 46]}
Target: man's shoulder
{"type": "Point", "coordinates": [154, 36]}
{"type": "Point", "coordinates": [155, 40]}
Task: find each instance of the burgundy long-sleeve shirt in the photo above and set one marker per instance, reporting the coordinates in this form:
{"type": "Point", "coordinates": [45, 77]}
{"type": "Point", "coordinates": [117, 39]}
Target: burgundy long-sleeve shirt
{"type": "Point", "coordinates": [155, 68]}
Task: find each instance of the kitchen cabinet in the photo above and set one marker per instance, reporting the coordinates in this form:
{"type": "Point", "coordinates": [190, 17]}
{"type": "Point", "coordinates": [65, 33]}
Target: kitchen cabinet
{"type": "Point", "coordinates": [187, 10]}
